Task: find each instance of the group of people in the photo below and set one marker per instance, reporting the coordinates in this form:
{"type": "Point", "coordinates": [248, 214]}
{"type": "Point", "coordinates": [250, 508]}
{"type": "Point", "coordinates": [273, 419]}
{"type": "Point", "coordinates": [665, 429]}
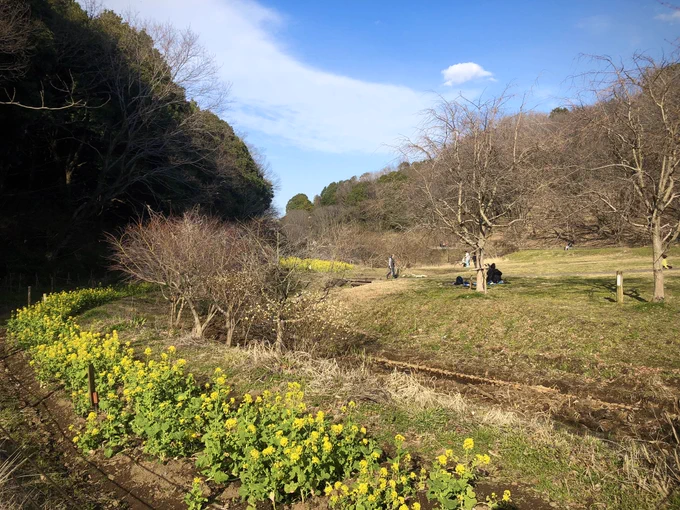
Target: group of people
{"type": "Point", "coordinates": [493, 274]}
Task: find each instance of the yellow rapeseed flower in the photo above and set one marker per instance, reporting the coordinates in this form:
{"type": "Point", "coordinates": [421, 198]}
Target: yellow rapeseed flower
{"type": "Point", "coordinates": [442, 460]}
{"type": "Point", "coordinates": [468, 444]}
{"type": "Point", "coordinates": [460, 469]}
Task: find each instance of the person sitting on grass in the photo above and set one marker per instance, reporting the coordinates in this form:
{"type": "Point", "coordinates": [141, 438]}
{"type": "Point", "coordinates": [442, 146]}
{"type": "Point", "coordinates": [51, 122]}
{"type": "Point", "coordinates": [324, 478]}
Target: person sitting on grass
{"type": "Point", "coordinates": [493, 275]}
{"type": "Point", "coordinates": [664, 262]}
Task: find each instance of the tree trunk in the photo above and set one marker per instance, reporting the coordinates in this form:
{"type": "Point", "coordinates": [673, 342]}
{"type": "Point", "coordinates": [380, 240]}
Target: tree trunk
{"type": "Point", "coordinates": [197, 330]}
{"type": "Point", "coordinates": [657, 251]}
{"type": "Point", "coordinates": [279, 334]}
{"type": "Point", "coordinates": [173, 308]}
{"type": "Point", "coordinates": [481, 274]}
{"type": "Point", "coordinates": [230, 325]}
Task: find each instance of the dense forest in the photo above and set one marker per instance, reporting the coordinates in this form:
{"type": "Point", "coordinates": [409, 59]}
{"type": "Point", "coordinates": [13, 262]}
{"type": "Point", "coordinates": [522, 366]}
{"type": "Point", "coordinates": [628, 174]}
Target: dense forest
{"type": "Point", "coordinates": [104, 119]}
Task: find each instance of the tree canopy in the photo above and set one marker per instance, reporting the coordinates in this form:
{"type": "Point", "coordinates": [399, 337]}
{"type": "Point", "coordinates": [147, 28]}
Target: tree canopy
{"type": "Point", "coordinates": [299, 202]}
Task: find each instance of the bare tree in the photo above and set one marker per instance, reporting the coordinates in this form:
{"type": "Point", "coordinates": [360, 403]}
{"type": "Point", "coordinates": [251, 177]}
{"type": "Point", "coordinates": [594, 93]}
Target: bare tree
{"type": "Point", "coordinates": [479, 174]}
{"type": "Point", "coordinates": [183, 256]}
{"type": "Point", "coordinates": [157, 132]}
{"type": "Point", "coordinates": [190, 65]}
{"type": "Point", "coordinates": [637, 119]}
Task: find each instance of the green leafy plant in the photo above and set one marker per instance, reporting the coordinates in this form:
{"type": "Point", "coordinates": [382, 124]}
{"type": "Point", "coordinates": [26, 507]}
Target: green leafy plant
{"type": "Point", "coordinates": [194, 498]}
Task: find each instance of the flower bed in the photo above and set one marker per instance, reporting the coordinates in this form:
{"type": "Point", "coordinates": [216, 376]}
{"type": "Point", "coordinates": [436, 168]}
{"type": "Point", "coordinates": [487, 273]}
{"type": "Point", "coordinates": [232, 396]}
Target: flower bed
{"type": "Point", "coordinates": [272, 443]}
{"type": "Point", "coordinates": [316, 265]}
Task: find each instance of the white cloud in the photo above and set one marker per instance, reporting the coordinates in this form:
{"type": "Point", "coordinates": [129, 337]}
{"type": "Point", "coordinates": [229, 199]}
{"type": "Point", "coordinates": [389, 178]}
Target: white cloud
{"type": "Point", "coordinates": [673, 17]}
{"type": "Point", "coordinates": [460, 73]}
{"type": "Point", "coordinates": [277, 94]}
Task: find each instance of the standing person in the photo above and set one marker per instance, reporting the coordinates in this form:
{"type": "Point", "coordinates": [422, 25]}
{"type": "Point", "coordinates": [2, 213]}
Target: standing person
{"type": "Point", "coordinates": [390, 267]}
{"type": "Point", "coordinates": [466, 259]}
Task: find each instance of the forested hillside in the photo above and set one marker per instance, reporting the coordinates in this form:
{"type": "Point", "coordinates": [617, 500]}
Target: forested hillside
{"type": "Point", "coordinates": [102, 119]}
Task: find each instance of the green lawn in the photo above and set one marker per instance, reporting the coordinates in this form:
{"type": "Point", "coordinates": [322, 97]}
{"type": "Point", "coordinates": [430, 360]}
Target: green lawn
{"type": "Point", "coordinates": [567, 324]}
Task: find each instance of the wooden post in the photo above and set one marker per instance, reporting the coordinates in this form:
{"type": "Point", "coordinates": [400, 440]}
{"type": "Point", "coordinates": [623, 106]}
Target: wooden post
{"type": "Point", "coordinates": [619, 286]}
{"type": "Point", "coordinates": [29, 295]}
{"type": "Point", "coordinates": [94, 398]}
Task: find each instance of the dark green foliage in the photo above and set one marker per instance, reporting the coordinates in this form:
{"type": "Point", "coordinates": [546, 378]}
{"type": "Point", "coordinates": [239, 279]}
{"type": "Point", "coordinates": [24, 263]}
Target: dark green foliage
{"type": "Point", "coordinates": [327, 196]}
{"type": "Point", "coordinates": [126, 139]}
{"type": "Point", "coordinates": [299, 202]}
{"type": "Point", "coordinates": [556, 112]}
{"type": "Point", "coordinates": [397, 176]}
{"type": "Point", "coordinates": [357, 194]}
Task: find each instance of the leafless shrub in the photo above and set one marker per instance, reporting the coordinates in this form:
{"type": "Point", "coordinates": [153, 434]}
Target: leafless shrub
{"type": "Point", "coordinates": [191, 258]}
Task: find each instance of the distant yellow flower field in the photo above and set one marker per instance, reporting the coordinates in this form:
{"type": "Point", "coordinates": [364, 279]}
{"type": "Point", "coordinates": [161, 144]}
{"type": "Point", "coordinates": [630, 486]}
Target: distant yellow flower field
{"type": "Point", "coordinates": [316, 265]}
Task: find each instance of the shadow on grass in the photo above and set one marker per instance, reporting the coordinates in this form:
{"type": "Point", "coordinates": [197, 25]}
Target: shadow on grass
{"type": "Point", "coordinates": [611, 287]}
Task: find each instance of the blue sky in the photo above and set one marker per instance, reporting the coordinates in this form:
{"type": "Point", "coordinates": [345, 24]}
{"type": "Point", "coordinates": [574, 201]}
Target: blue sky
{"type": "Point", "coordinates": [326, 88]}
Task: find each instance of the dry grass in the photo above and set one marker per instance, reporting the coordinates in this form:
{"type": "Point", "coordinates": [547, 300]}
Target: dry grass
{"type": "Point", "coordinates": [9, 498]}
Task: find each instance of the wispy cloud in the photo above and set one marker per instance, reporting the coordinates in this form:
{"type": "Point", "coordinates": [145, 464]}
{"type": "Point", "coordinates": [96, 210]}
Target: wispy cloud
{"type": "Point", "coordinates": [464, 72]}
{"type": "Point", "coordinates": [275, 93]}
{"type": "Point", "coordinates": [596, 25]}
{"type": "Point", "coordinates": [673, 17]}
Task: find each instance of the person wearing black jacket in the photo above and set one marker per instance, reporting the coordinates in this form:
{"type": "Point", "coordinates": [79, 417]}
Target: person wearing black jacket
{"type": "Point", "coordinates": [493, 275]}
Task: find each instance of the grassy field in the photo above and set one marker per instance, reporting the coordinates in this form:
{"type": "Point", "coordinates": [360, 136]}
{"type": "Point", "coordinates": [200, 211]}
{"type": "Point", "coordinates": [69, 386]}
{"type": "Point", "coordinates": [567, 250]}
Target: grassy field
{"type": "Point", "coordinates": [556, 354]}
